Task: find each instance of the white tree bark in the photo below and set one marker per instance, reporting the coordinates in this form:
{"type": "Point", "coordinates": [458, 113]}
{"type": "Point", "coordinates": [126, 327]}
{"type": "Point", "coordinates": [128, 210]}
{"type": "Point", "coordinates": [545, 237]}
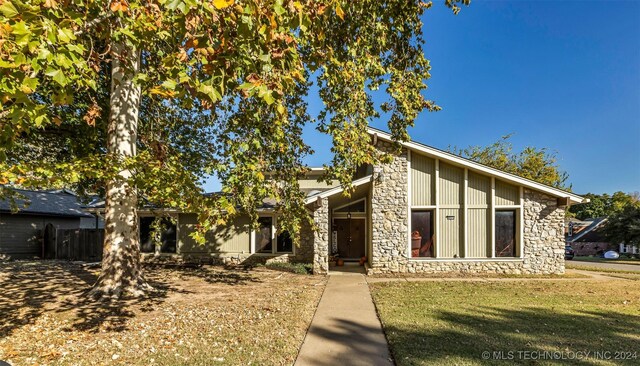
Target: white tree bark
{"type": "Point", "coordinates": [121, 273]}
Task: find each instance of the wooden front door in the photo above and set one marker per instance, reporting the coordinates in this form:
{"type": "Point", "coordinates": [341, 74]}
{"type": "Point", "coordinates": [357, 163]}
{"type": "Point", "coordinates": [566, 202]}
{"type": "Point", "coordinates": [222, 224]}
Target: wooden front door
{"type": "Point", "coordinates": [351, 237]}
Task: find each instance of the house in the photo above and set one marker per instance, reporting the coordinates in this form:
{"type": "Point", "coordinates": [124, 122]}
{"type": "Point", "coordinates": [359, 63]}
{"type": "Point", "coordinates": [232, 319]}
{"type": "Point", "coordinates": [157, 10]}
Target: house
{"type": "Point", "coordinates": [425, 211]}
{"type": "Point", "coordinates": [586, 238]}
{"type": "Point", "coordinates": [23, 233]}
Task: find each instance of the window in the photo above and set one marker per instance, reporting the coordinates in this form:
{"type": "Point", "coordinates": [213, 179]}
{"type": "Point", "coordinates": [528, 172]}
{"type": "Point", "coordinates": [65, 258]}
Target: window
{"type": "Point", "coordinates": [150, 238]}
{"type": "Point", "coordinates": [263, 235]}
{"type": "Point", "coordinates": [284, 243]}
{"type": "Point", "coordinates": [505, 233]}
{"type": "Point", "coordinates": [421, 234]}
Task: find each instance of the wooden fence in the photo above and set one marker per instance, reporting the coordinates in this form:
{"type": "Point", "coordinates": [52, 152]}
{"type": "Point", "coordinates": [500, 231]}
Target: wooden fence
{"type": "Point", "coordinates": [79, 244]}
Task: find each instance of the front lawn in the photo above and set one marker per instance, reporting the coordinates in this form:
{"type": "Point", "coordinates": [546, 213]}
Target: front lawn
{"type": "Point", "coordinates": [633, 261]}
{"type": "Point", "coordinates": [455, 323]}
{"type": "Point", "coordinates": [203, 316]}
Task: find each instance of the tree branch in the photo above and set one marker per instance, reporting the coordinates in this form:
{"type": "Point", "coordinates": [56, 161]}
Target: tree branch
{"type": "Point", "coordinates": [93, 23]}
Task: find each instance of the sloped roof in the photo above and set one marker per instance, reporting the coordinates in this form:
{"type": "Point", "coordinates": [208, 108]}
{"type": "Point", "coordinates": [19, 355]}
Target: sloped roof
{"type": "Point", "coordinates": [52, 203]}
{"type": "Point", "coordinates": [481, 168]}
{"type": "Point", "coordinates": [589, 232]}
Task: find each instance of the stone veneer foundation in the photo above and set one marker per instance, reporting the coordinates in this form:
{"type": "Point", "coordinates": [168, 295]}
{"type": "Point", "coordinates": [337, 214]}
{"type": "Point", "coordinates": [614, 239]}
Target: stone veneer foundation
{"type": "Point", "coordinates": [543, 242]}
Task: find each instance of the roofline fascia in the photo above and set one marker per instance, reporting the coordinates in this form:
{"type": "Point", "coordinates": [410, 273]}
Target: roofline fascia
{"type": "Point", "coordinates": [339, 189]}
{"type": "Point", "coordinates": [436, 153]}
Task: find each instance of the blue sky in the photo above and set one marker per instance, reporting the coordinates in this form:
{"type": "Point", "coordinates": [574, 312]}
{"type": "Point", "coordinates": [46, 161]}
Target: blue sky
{"type": "Point", "coordinates": [564, 75]}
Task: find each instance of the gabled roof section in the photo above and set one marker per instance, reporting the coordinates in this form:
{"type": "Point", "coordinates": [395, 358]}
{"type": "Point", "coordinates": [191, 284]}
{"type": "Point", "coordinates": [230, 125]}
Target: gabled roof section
{"type": "Point", "coordinates": [590, 231]}
{"type": "Point", "coordinates": [49, 203]}
{"type": "Point", "coordinates": [336, 190]}
{"type": "Point", "coordinates": [480, 168]}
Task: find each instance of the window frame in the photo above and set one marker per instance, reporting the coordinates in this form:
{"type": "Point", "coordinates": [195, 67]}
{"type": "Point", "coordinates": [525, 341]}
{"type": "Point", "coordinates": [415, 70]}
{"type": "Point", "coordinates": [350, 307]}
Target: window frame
{"type": "Point", "coordinates": [274, 238]}
{"type": "Point", "coordinates": [432, 212]}
{"type": "Point", "coordinates": [157, 250]}
{"type": "Point", "coordinates": [516, 229]}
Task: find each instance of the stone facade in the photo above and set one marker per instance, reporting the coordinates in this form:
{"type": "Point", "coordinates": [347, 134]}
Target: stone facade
{"type": "Point", "coordinates": [542, 239]}
{"type": "Point", "coordinates": [321, 238]}
{"type": "Point", "coordinates": [389, 215]}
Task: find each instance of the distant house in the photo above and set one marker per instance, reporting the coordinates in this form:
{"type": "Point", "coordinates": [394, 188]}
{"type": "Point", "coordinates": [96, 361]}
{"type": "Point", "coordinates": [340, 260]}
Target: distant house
{"type": "Point", "coordinates": [23, 233]}
{"type": "Point", "coordinates": [586, 238]}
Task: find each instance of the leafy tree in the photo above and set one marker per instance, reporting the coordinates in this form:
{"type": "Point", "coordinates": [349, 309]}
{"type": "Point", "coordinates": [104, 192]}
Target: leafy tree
{"type": "Point", "coordinates": [624, 226]}
{"type": "Point", "coordinates": [532, 163]}
{"type": "Point", "coordinates": [179, 89]}
{"type": "Point", "coordinates": [604, 205]}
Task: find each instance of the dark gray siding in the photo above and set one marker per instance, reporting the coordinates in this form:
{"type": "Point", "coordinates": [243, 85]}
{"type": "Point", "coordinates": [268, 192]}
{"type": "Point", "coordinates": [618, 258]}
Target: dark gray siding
{"type": "Point", "coordinates": [21, 235]}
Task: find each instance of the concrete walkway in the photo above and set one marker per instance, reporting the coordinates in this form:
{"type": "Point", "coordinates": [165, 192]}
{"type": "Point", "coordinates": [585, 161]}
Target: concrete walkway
{"type": "Point", "coordinates": [345, 329]}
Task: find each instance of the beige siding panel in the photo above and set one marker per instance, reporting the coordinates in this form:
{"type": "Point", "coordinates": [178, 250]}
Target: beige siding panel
{"type": "Point", "coordinates": [233, 238]}
{"type": "Point", "coordinates": [449, 238]}
{"type": "Point", "coordinates": [312, 183]}
{"type": "Point", "coordinates": [451, 183]}
{"type": "Point", "coordinates": [422, 176]}
{"type": "Point", "coordinates": [478, 233]}
{"type": "Point", "coordinates": [507, 194]}
{"type": "Point", "coordinates": [479, 189]}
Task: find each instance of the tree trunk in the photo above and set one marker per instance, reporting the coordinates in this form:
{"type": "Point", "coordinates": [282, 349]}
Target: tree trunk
{"type": "Point", "coordinates": [121, 273]}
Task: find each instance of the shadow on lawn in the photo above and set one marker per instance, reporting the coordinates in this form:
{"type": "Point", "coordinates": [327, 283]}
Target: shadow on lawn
{"type": "Point", "coordinates": [465, 337]}
{"type": "Point", "coordinates": [30, 289]}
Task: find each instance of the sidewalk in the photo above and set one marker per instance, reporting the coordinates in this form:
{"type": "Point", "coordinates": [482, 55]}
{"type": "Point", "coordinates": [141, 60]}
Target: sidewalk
{"type": "Point", "coordinates": [345, 329]}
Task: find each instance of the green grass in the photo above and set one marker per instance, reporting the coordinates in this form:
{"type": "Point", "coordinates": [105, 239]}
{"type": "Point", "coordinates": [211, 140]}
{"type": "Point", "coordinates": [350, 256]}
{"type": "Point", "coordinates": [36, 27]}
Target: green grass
{"type": "Point", "coordinates": [597, 269]}
{"type": "Point", "coordinates": [453, 323]}
{"type": "Point", "coordinates": [632, 261]}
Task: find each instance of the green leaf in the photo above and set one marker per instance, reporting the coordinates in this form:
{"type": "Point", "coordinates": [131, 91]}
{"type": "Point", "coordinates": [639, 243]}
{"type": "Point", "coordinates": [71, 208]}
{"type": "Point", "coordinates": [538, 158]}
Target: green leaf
{"type": "Point", "coordinates": [169, 84]}
{"type": "Point", "coordinates": [65, 35]}
{"type": "Point", "coordinates": [8, 10]}
{"type": "Point", "coordinates": [268, 97]}
{"type": "Point", "coordinates": [57, 76]}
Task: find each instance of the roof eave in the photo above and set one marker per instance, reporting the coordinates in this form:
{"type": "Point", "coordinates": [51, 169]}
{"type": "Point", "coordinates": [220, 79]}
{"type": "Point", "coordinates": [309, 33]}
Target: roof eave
{"type": "Point", "coordinates": [436, 153]}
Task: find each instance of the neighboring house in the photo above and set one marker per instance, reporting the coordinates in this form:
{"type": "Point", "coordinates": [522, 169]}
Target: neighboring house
{"type": "Point", "coordinates": [586, 238]}
{"type": "Point", "coordinates": [426, 211]}
{"type": "Point", "coordinates": [22, 233]}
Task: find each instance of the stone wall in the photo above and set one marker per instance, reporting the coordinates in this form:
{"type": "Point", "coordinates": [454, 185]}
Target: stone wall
{"type": "Point", "coordinates": [321, 238]}
{"type": "Point", "coordinates": [389, 203]}
{"type": "Point", "coordinates": [543, 242]}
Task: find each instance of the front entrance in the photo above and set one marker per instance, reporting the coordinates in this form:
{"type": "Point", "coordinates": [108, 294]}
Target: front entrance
{"type": "Point", "coordinates": [351, 237]}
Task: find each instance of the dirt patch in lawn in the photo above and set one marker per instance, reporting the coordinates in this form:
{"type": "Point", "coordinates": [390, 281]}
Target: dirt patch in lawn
{"type": "Point", "coordinates": [199, 316]}
{"type": "Point", "coordinates": [511, 322]}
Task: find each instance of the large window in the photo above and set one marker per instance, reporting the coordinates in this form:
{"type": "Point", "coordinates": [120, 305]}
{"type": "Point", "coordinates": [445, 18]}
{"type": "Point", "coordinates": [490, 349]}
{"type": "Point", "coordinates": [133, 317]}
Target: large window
{"type": "Point", "coordinates": [164, 236]}
{"type": "Point", "coordinates": [285, 243]}
{"type": "Point", "coordinates": [264, 235]}
{"type": "Point", "coordinates": [422, 234]}
{"type": "Point", "coordinates": [505, 233]}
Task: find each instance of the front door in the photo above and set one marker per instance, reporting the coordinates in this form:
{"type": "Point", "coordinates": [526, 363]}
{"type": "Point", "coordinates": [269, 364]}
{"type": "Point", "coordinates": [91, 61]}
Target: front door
{"type": "Point", "coordinates": [351, 237]}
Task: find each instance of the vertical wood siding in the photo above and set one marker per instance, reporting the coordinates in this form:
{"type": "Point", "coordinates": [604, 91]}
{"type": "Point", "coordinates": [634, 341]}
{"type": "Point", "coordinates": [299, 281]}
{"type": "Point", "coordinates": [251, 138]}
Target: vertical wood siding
{"type": "Point", "coordinates": [478, 233]}
{"type": "Point", "coordinates": [451, 183]}
{"type": "Point", "coordinates": [479, 189]}
{"type": "Point", "coordinates": [449, 239]}
{"type": "Point", "coordinates": [233, 238]}
{"type": "Point", "coordinates": [422, 177]}
{"type": "Point", "coordinates": [507, 194]}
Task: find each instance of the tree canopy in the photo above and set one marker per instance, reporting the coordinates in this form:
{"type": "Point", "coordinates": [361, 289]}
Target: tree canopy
{"type": "Point", "coordinates": [623, 226]}
{"type": "Point", "coordinates": [604, 205]}
{"type": "Point", "coordinates": [537, 164]}
{"type": "Point", "coordinates": [147, 98]}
